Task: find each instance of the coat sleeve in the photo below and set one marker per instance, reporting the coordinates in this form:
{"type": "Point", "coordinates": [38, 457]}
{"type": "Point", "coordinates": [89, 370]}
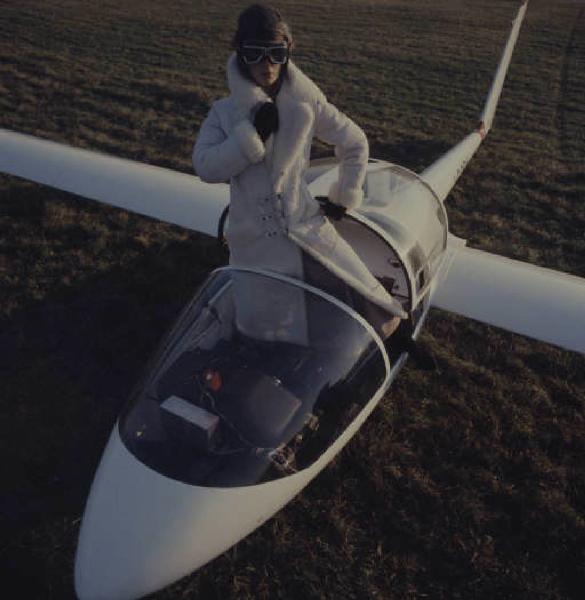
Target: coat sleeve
{"type": "Point", "coordinates": [218, 156]}
{"type": "Point", "coordinates": [351, 147]}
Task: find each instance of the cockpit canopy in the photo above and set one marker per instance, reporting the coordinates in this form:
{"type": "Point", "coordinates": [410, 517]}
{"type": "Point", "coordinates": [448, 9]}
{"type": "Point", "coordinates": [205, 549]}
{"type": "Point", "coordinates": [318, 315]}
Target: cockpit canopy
{"type": "Point", "coordinates": [406, 214]}
{"type": "Point", "coordinates": [259, 376]}
{"type": "Point", "coordinates": [412, 216]}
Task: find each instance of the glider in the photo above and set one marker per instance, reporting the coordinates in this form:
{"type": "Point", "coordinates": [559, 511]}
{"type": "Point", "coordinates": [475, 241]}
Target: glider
{"type": "Point", "coordinates": [225, 428]}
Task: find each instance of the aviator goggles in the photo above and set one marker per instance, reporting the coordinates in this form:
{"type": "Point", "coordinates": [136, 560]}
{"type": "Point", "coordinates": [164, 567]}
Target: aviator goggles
{"type": "Point", "coordinates": [252, 54]}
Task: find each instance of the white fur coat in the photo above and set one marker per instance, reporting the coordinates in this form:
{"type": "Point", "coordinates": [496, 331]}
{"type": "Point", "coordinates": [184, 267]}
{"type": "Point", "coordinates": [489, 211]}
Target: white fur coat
{"type": "Point", "coordinates": [272, 213]}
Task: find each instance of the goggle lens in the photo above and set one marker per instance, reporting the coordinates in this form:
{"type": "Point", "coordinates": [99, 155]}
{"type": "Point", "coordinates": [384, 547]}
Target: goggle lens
{"type": "Point", "coordinates": [251, 55]}
{"type": "Point", "coordinates": [278, 55]}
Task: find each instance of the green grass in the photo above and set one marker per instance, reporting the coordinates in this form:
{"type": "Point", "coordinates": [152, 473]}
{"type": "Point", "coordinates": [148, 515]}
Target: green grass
{"type": "Point", "coordinates": [465, 484]}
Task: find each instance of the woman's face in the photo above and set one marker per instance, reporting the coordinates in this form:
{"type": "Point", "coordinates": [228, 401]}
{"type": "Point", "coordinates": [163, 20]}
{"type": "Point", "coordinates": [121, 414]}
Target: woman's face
{"type": "Point", "coordinates": [265, 73]}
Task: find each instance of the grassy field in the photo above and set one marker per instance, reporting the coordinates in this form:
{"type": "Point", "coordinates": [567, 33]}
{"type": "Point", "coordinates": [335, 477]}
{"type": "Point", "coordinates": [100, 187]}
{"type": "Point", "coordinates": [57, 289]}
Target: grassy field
{"type": "Point", "coordinates": [468, 483]}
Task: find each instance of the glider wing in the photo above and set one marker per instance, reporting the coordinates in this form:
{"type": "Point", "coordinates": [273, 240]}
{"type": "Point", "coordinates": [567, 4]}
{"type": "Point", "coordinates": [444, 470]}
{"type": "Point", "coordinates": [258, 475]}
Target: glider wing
{"type": "Point", "coordinates": [537, 302]}
{"type": "Point", "coordinates": [156, 192]}
{"type": "Point", "coordinates": [444, 173]}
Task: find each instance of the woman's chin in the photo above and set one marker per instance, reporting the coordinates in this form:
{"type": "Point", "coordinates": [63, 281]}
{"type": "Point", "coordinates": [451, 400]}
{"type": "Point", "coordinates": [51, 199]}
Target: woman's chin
{"type": "Point", "coordinates": [266, 82]}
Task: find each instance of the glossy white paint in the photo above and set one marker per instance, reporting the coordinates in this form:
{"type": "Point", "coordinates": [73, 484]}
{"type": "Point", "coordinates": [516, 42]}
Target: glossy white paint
{"type": "Point", "coordinates": [142, 531]}
{"type": "Point", "coordinates": [160, 193]}
{"type": "Point", "coordinates": [443, 174]}
{"type": "Point", "coordinates": [523, 298]}
{"type": "Point", "coordinates": [489, 110]}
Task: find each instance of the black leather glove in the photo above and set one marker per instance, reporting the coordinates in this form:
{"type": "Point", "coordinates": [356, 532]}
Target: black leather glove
{"type": "Point", "coordinates": [266, 120]}
{"type": "Point", "coordinates": [333, 211]}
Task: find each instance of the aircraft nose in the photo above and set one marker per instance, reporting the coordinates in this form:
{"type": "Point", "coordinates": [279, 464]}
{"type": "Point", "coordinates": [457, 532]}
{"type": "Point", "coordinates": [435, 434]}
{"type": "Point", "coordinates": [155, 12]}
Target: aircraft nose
{"type": "Point", "coordinates": [141, 531]}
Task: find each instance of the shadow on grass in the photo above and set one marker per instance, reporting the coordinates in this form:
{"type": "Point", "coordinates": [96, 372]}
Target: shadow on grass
{"type": "Point", "coordinates": [416, 155]}
{"type": "Point", "coordinates": [68, 365]}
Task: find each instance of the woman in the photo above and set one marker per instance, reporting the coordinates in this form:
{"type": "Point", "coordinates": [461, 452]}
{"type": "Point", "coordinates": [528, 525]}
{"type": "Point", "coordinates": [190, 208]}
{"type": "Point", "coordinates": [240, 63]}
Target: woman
{"type": "Point", "coordinates": [259, 139]}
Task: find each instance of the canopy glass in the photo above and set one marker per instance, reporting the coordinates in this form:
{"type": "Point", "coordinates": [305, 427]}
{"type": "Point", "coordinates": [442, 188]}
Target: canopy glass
{"type": "Point", "coordinates": [256, 380]}
{"type": "Point", "coordinates": [409, 212]}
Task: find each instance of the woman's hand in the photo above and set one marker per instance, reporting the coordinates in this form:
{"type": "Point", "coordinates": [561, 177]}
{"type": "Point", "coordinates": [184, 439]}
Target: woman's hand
{"type": "Point", "coordinates": [331, 210]}
{"type": "Point", "coordinates": [266, 120]}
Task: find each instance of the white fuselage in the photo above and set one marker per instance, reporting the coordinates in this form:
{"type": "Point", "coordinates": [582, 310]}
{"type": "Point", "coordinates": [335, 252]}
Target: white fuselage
{"type": "Point", "coordinates": [143, 530]}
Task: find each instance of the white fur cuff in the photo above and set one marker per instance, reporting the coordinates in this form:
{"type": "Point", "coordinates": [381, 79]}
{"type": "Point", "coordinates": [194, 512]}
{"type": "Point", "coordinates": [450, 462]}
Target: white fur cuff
{"type": "Point", "coordinates": [249, 141]}
{"type": "Point", "coordinates": [350, 198]}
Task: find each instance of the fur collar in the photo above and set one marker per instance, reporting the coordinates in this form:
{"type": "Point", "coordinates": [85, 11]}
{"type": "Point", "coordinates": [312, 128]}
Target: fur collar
{"type": "Point", "coordinates": [295, 102]}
